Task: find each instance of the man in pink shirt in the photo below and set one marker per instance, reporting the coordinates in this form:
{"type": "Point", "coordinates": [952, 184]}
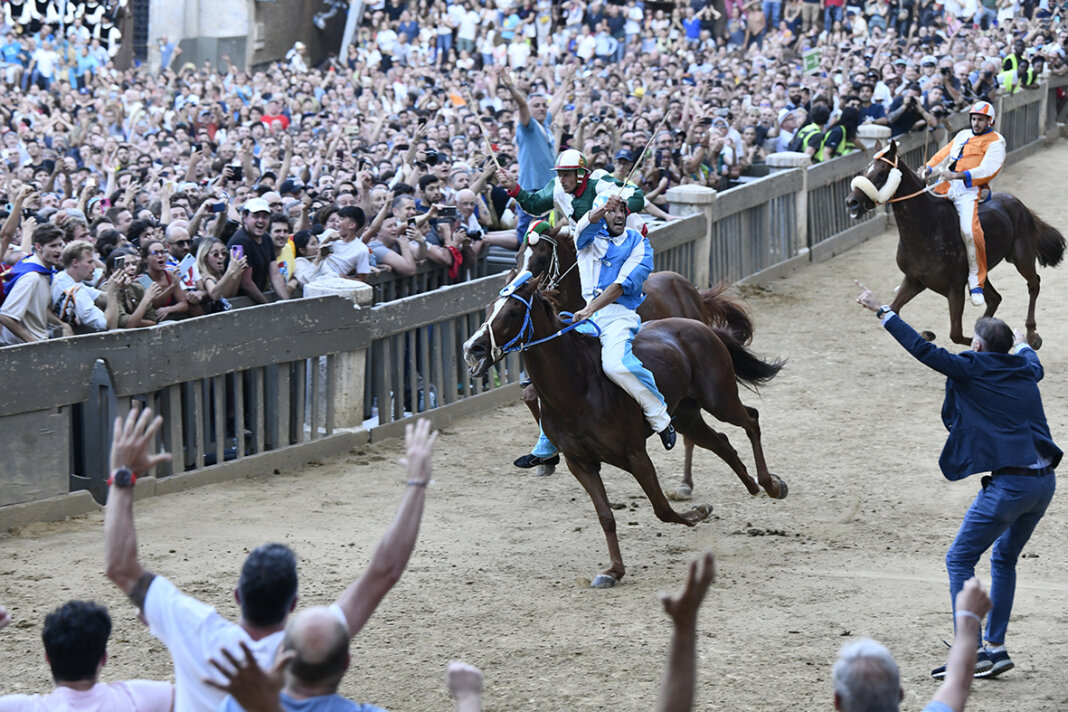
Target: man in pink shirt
{"type": "Point", "coordinates": [76, 639]}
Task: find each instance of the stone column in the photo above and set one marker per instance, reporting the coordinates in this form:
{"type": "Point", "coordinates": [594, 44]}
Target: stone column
{"type": "Point", "coordinates": [788, 161]}
{"type": "Point", "coordinates": [691, 199]}
{"type": "Point", "coordinates": [869, 134]}
{"type": "Point", "coordinates": [349, 366]}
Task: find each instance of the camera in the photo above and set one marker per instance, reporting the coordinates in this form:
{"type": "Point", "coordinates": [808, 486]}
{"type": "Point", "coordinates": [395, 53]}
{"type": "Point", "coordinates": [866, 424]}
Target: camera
{"type": "Point", "coordinates": [432, 157]}
{"type": "Point", "coordinates": [474, 234]}
{"type": "Point", "coordinates": [945, 71]}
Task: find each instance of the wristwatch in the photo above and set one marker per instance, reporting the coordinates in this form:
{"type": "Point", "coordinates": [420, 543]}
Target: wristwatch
{"type": "Point", "coordinates": [122, 477]}
{"type": "Point", "coordinates": [882, 311]}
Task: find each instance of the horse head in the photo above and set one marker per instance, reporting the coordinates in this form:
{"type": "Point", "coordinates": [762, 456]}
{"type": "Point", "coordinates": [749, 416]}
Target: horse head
{"type": "Point", "coordinates": [546, 255]}
{"type": "Point", "coordinates": [508, 326]}
{"type": "Point", "coordinates": [878, 183]}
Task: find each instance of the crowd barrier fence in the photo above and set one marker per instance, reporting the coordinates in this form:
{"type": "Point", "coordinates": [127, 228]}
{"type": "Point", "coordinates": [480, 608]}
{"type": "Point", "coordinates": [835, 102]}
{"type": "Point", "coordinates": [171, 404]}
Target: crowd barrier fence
{"type": "Point", "coordinates": [260, 389]}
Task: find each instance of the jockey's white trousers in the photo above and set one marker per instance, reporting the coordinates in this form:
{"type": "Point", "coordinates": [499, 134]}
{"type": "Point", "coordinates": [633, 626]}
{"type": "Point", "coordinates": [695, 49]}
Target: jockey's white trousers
{"type": "Point", "coordinates": [966, 201]}
{"type": "Point", "coordinates": [619, 325]}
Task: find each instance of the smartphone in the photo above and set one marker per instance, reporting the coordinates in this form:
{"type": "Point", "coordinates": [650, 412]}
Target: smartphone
{"type": "Point", "coordinates": [449, 211]}
{"type": "Point", "coordinates": [340, 154]}
{"type": "Point", "coordinates": [237, 173]}
{"type": "Point", "coordinates": [120, 263]}
{"type": "Point", "coordinates": [197, 147]}
{"type": "Point", "coordinates": [422, 121]}
{"type": "Point", "coordinates": [237, 252]}
{"type": "Point", "coordinates": [411, 222]}
{"type": "Point", "coordinates": [216, 207]}
{"type": "Point", "coordinates": [90, 182]}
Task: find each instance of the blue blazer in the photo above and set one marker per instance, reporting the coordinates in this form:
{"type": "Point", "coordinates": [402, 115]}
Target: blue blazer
{"type": "Point", "coordinates": [993, 410]}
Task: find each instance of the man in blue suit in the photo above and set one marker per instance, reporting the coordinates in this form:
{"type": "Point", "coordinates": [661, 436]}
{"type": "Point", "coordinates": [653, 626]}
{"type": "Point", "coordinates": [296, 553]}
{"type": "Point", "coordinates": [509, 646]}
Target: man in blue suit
{"type": "Point", "coordinates": [993, 412]}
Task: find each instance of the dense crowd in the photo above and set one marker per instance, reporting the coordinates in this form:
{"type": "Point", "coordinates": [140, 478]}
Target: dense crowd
{"type": "Point", "coordinates": [165, 195]}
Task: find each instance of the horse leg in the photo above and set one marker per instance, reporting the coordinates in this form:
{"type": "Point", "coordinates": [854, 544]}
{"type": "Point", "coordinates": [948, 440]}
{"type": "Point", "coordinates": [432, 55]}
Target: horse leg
{"type": "Point", "coordinates": [956, 315]}
{"type": "Point", "coordinates": [693, 426]}
{"type": "Point", "coordinates": [685, 489]}
{"type": "Point", "coordinates": [993, 298]}
{"type": "Point", "coordinates": [645, 473]}
{"type": "Point", "coordinates": [589, 477]}
{"type": "Point", "coordinates": [530, 397]}
{"type": "Point", "coordinates": [906, 291]}
{"type": "Point", "coordinates": [1028, 271]}
{"type": "Point", "coordinates": [718, 394]}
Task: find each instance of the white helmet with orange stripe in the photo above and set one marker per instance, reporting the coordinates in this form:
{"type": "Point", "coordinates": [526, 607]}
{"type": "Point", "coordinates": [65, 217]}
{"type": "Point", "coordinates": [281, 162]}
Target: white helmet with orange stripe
{"type": "Point", "coordinates": [983, 108]}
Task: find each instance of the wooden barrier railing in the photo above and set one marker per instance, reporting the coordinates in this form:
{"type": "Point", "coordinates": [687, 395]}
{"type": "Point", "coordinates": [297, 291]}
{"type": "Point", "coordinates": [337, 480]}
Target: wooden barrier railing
{"type": "Point", "coordinates": [272, 386]}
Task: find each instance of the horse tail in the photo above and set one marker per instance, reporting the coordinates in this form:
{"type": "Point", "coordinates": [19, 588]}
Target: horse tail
{"type": "Point", "coordinates": [1050, 242]}
{"type": "Point", "coordinates": [749, 369]}
{"type": "Point", "coordinates": [724, 312]}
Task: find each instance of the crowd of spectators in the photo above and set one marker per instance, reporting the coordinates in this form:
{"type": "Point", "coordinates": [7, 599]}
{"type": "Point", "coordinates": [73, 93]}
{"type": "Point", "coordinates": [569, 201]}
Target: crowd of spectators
{"type": "Point", "coordinates": [274, 658]}
{"type": "Point", "coordinates": [163, 195]}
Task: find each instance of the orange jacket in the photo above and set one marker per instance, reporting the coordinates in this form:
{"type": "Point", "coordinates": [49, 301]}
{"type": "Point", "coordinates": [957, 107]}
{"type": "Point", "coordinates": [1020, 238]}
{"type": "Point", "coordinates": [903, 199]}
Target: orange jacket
{"type": "Point", "coordinates": [980, 157]}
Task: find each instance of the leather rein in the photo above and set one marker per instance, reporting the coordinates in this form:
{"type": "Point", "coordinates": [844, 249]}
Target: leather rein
{"type": "Point", "coordinates": [921, 191]}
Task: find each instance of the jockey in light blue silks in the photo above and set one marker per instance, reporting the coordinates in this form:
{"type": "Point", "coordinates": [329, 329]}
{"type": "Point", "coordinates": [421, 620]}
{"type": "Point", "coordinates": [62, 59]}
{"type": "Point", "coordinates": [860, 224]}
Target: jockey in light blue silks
{"type": "Point", "coordinates": [614, 261]}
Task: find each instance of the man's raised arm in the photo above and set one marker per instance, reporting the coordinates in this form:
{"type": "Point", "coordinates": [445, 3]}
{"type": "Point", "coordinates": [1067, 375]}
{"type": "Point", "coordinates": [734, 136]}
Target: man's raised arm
{"type": "Point", "coordinates": [391, 556]}
{"type": "Point", "coordinates": [129, 459]}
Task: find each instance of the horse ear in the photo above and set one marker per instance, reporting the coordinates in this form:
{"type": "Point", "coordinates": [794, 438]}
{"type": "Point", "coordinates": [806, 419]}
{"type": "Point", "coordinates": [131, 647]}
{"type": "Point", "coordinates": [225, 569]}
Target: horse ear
{"type": "Point", "coordinates": [878, 145]}
{"type": "Point", "coordinates": [893, 147]}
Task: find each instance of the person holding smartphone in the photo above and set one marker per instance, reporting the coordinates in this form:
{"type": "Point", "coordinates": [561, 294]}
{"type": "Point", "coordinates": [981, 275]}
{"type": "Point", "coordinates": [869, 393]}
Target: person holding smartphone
{"type": "Point", "coordinates": [257, 248]}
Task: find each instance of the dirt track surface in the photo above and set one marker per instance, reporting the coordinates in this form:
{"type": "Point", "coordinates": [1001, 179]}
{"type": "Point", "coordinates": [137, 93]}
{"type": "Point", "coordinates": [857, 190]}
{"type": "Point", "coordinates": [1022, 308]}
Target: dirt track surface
{"type": "Point", "coordinates": [499, 576]}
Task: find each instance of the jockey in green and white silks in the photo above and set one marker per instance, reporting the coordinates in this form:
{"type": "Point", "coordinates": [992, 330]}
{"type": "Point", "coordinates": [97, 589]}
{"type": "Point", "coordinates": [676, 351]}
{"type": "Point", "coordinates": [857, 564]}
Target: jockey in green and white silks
{"type": "Point", "coordinates": [571, 194]}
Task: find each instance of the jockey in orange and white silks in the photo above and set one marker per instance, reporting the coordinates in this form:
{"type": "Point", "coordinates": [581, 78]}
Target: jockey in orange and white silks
{"type": "Point", "coordinates": [971, 160]}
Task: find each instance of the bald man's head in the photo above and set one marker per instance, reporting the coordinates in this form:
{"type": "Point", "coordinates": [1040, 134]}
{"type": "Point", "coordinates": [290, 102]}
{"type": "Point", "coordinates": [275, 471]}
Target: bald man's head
{"type": "Point", "coordinates": [321, 643]}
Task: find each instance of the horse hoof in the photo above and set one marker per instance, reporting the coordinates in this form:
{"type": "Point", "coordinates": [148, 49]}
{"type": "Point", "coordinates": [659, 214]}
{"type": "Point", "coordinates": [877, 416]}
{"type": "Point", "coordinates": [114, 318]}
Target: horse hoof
{"type": "Point", "coordinates": [544, 470]}
{"type": "Point", "coordinates": [682, 493]}
{"type": "Point", "coordinates": [783, 489]}
{"type": "Point", "coordinates": [603, 581]}
{"type": "Point", "coordinates": [701, 512]}
{"type": "Point", "coordinates": [1035, 341]}
{"type": "Point", "coordinates": [927, 335]}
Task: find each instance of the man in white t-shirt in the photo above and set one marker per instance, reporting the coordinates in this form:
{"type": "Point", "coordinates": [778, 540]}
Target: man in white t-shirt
{"type": "Point", "coordinates": [78, 304]}
{"type": "Point", "coordinates": [75, 640]}
{"type": "Point", "coordinates": [349, 257]}
{"type": "Point", "coordinates": [267, 589]}
{"type": "Point", "coordinates": [27, 308]}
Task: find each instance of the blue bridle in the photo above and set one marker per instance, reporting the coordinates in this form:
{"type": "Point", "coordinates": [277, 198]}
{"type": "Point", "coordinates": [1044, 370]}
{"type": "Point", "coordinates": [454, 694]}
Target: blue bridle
{"type": "Point", "coordinates": [519, 342]}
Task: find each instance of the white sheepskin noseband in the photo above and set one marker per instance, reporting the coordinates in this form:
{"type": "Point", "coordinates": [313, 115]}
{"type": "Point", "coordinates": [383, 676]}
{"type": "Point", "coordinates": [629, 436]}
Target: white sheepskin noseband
{"type": "Point", "coordinates": [878, 195]}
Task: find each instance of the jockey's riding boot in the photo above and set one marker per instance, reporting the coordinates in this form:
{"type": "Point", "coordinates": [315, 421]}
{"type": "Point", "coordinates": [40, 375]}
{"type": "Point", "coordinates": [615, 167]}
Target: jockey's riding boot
{"type": "Point", "coordinates": [528, 461]}
{"type": "Point", "coordinates": [667, 436]}
{"type": "Point", "coordinates": [975, 291]}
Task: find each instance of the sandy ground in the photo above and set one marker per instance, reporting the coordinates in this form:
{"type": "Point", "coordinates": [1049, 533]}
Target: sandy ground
{"type": "Point", "coordinates": [499, 576]}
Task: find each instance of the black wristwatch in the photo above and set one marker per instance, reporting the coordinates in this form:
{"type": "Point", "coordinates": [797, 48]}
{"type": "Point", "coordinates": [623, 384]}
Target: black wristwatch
{"type": "Point", "coordinates": [122, 477]}
{"type": "Point", "coordinates": [882, 311]}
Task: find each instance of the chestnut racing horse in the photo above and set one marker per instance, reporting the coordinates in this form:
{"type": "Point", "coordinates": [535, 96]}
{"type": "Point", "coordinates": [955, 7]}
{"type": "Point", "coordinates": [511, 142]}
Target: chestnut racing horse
{"type": "Point", "coordinates": [592, 420]}
{"type": "Point", "coordinates": [668, 294]}
{"type": "Point", "coordinates": [930, 251]}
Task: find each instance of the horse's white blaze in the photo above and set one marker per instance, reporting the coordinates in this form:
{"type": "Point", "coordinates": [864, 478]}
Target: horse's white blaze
{"type": "Point", "coordinates": [527, 255]}
{"type": "Point", "coordinates": [483, 331]}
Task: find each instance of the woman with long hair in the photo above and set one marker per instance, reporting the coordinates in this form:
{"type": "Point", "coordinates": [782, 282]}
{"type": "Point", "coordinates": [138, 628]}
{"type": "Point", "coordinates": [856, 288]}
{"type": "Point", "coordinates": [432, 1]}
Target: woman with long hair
{"type": "Point", "coordinates": [219, 280]}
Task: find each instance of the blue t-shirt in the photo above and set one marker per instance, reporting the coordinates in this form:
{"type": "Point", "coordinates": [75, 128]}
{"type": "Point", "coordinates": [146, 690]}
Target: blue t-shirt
{"type": "Point", "coordinates": [693, 28]}
{"type": "Point", "coordinates": [10, 52]}
{"type": "Point", "coordinates": [536, 153]}
{"type": "Point", "coordinates": [324, 703]}
{"type": "Point", "coordinates": [86, 63]}
{"type": "Point", "coordinates": [875, 111]}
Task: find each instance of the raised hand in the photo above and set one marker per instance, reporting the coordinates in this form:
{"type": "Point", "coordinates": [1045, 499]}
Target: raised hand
{"type": "Point", "coordinates": [131, 439]}
{"type": "Point", "coordinates": [683, 608]}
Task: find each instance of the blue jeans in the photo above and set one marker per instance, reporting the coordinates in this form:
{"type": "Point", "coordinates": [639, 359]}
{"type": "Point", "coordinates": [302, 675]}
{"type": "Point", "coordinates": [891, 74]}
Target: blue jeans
{"type": "Point", "coordinates": [1004, 514]}
{"type": "Point", "coordinates": [772, 13]}
{"type": "Point", "coordinates": [544, 447]}
{"type": "Point", "coordinates": [830, 14]}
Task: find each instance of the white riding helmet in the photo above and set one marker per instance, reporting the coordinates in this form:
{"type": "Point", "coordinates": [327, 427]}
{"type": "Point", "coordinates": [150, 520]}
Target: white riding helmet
{"type": "Point", "coordinates": [571, 160]}
{"type": "Point", "coordinates": [983, 108]}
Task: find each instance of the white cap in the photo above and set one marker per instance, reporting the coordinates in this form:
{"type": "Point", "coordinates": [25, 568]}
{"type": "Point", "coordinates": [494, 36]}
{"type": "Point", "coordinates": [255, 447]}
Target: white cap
{"type": "Point", "coordinates": [256, 205]}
